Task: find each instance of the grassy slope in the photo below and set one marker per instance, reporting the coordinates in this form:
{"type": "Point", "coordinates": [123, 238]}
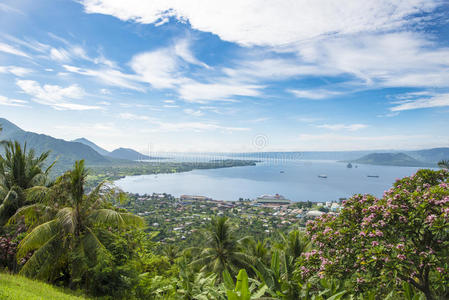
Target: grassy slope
{"type": "Point", "coordinates": [20, 288]}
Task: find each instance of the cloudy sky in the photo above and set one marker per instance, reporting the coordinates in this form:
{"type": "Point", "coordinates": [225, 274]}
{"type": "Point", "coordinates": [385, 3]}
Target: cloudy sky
{"type": "Point", "coordinates": [235, 75]}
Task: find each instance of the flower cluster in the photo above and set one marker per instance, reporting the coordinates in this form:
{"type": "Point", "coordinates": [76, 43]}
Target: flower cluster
{"type": "Point", "coordinates": [402, 236]}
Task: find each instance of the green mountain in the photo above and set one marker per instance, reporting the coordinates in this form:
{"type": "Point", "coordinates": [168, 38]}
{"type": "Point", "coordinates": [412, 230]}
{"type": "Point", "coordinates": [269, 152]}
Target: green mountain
{"type": "Point", "coordinates": [66, 152]}
{"type": "Point", "coordinates": [433, 155]}
{"type": "Point", "coordinates": [126, 153]}
{"type": "Point", "coordinates": [391, 159]}
{"type": "Point", "coordinates": [92, 145]}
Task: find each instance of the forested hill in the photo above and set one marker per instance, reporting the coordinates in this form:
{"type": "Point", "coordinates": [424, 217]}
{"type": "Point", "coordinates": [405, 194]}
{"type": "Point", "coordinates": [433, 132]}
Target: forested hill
{"type": "Point", "coordinates": [126, 153]}
{"type": "Point", "coordinates": [92, 145]}
{"type": "Point", "coordinates": [392, 159]}
{"type": "Point", "coordinates": [66, 152]}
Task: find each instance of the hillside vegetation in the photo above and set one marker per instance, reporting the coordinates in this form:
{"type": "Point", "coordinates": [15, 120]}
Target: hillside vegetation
{"type": "Point", "coordinates": [14, 287]}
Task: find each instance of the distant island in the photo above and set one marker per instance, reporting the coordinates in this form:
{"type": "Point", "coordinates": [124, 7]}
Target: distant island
{"type": "Point", "coordinates": [391, 159]}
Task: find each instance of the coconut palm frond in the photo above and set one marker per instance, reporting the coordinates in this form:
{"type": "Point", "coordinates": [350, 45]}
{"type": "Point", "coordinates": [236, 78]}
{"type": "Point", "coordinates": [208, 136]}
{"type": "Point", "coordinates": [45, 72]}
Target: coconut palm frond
{"type": "Point", "coordinates": [67, 219]}
{"type": "Point", "coordinates": [42, 264]}
{"type": "Point", "coordinates": [9, 205]}
{"type": "Point", "coordinates": [33, 214]}
{"type": "Point", "coordinates": [38, 237]}
{"type": "Point", "coordinates": [110, 217]}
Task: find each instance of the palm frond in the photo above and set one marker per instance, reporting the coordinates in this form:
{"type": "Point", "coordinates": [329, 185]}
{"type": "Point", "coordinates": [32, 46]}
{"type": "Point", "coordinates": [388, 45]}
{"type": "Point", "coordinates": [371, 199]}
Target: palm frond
{"type": "Point", "coordinates": [67, 219]}
{"type": "Point", "coordinates": [38, 237]}
{"type": "Point", "coordinates": [110, 217]}
{"type": "Point", "coordinates": [33, 214]}
{"type": "Point", "coordinates": [47, 260]}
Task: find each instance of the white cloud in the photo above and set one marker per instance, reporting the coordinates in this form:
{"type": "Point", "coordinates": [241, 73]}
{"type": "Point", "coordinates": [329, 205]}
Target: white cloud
{"type": "Point", "coordinates": [10, 9]}
{"type": "Point", "coordinates": [192, 112]}
{"type": "Point", "coordinates": [12, 102]}
{"type": "Point", "coordinates": [223, 91]}
{"type": "Point", "coordinates": [159, 68]}
{"type": "Point", "coordinates": [182, 49]}
{"type": "Point", "coordinates": [393, 59]}
{"type": "Point", "coordinates": [420, 101]}
{"type": "Point", "coordinates": [59, 55]}
{"type": "Point", "coordinates": [11, 50]}
{"type": "Point", "coordinates": [272, 22]}
{"type": "Point", "coordinates": [55, 96]}
{"type": "Point", "coordinates": [314, 94]}
{"type": "Point", "coordinates": [192, 126]}
{"type": "Point", "coordinates": [350, 127]}
{"type": "Point", "coordinates": [133, 117]}
{"type": "Point", "coordinates": [15, 70]}
{"type": "Point", "coordinates": [109, 76]}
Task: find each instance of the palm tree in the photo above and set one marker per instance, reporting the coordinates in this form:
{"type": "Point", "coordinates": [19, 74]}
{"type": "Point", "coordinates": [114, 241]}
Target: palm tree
{"type": "Point", "coordinates": [257, 250]}
{"type": "Point", "coordinates": [279, 275]}
{"type": "Point", "coordinates": [69, 239]}
{"type": "Point", "coordinates": [19, 170]}
{"type": "Point", "coordinates": [444, 164]}
{"type": "Point", "coordinates": [221, 251]}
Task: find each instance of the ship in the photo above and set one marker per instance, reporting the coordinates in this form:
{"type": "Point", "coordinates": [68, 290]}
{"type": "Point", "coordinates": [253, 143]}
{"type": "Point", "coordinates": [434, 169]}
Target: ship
{"type": "Point", "coordinates": [349, 165]}
{"type": "Point", "coordinates": [373, 176]}
{"type": "Point", "coordinates": [322, 176]}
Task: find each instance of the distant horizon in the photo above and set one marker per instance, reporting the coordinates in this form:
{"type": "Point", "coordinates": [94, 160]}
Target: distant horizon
{"type": "Point", "coordinates": [262, 150]}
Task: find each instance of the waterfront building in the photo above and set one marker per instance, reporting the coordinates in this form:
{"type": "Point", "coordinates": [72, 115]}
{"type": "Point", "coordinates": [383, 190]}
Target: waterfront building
{"type": "Point", "coordinates": [272, 200]}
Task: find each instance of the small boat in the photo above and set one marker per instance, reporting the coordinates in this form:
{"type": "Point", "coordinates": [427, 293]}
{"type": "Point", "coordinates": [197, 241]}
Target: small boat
{"type": "Point", "coordinates": [281, 172]}
{"type": "Point", "coordinates": [322, 176]}
{"type": "Point", "coordinates": [349, 165]}
{"type": "Point", "coordinates": [373, 176]}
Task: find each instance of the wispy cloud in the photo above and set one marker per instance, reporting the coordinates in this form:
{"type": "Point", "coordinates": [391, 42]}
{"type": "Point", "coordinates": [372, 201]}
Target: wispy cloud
{"type": "Point", "coordinates": [133, 117]}
{"type": "Point", "coordinates": [193, 126]}
{"type": "Point", "coordinates": [350, 127]}
{"type": "Point", "coordinates": [194, 113]}
{"type": "Point", "coordinates": [109, 76]}
{"type": "Point", "coordinates": [15, 70]}
{"type": "Point", "coordinates": [419, 101]}
{"type": "Point", "coordinates": [10, 9]}
{"type": "Point", "coordinates": [314, 94]}
{"type": "Point", "coordinates": [6, 48]}
{"type": "Point", "coordinates": [12, 102]}
{"type": "Point", "coordinates": [55, 96]}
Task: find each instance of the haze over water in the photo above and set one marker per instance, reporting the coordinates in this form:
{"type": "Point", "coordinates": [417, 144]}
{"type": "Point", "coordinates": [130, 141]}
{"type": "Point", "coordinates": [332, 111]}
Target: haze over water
{"type": "Point", "coordinates": [298, 182]}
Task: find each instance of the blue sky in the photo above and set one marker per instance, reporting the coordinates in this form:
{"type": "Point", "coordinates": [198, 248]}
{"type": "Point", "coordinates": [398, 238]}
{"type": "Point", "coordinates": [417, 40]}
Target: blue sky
{"type": "Point", "coordinates": [228, 75]}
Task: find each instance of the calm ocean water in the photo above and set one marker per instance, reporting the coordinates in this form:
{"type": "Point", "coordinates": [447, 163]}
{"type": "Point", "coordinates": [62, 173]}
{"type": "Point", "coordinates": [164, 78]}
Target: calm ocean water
{"type": "Point", "coordinates": [296, 180]}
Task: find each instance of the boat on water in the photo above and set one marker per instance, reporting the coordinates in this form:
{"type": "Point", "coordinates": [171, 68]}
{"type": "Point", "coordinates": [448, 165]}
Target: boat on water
{"type": "Point", "coordinates": [373, 176]}
{"type": "Point", "coordinates": [281, 172]}
{"type": "Point", "coordinates": [322, 176]}
{"type": "Point", "coordinates": [349, 165]}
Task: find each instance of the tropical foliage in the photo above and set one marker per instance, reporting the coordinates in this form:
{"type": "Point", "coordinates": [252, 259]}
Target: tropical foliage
{"type": "Point", "coordinates": [394, 247]}
{"type": "Point", "coordinates": [20, 170]}
{"type": "Point", "coordinates": [382, 244]}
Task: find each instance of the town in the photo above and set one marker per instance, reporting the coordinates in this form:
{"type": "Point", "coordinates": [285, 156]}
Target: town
{"type": "Point", "coordinates": [177, 220]}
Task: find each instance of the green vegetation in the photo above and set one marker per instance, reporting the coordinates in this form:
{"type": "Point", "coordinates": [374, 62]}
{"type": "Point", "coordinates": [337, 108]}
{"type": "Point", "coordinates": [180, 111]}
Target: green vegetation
{"type": "Point", "coordinates": [394, 247]}
{"type": "Point", "coordinates": [20, 170]}
{"type": "Point", "coordinates": [111, 172]}
{"type": "Point", "coordinates": [13, 287]}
